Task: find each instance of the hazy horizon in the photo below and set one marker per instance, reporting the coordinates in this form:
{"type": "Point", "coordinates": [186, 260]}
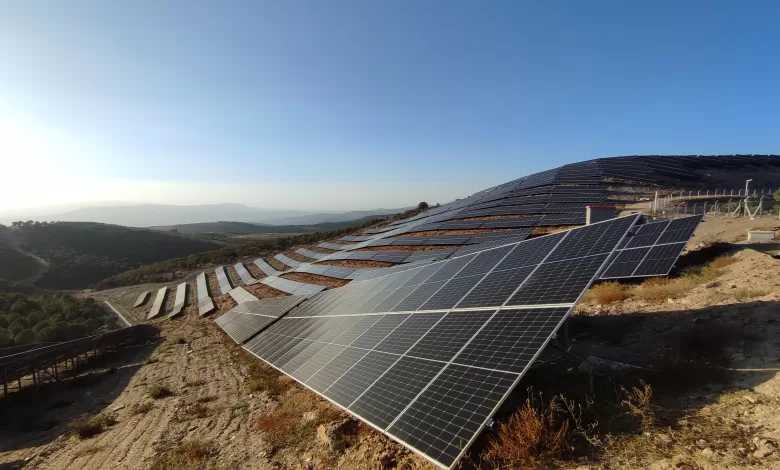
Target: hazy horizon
{"type": "Point", "coordinates": [346, 105]}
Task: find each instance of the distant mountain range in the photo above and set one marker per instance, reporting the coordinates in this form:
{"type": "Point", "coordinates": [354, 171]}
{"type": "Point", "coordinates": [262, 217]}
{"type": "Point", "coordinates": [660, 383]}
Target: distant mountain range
{"type": "Point", "coordinates": [150, 215]}
{"type": "Point", "coordinates": [246, 228]}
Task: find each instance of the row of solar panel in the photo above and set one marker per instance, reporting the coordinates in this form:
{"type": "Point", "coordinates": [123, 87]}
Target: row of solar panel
{"type": "Point", "coordinates": [394, 369]}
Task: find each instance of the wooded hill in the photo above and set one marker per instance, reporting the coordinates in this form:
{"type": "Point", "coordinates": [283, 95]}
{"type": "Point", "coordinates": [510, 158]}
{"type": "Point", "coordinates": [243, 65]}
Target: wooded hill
{"type": "Point", "coordinates": [244, 228]}
{"type": "Point", "coordinates": [82, 253]}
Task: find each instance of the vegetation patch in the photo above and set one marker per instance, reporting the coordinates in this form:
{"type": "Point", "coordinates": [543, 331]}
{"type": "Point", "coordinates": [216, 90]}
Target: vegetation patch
{"type": "Point", "coordinates": [189, 455]}
{"type": "Point", "coordinates": [607, 293]}
{"type": "Point", "coordinates": [27, 319]}
{"type": "Point", "coordinates": [88, 427]}
{"type": "Point", "coordinates": [286, 426]}
{"type": "Point", "coordinates": [141, 408]}
{"type": "Point", "coordinates": [158, 391]}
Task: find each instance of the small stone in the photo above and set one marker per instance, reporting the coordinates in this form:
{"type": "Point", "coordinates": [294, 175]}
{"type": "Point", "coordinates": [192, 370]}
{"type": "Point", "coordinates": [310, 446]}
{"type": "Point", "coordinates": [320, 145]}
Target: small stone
{"type": "Point", "coordinates": [712, 284]}
{"type": "Point", "coordinates": [751, 400]}
{"type": "Point", "coordinates": [192, 428]}
{"type": "Point", "coordinates": [120, 407]}
{"type": "Point", "coordinates": [733, 286]}
{"type": "Point", "coordinates": [309, 416]}
{"type": "Point", "coordinates": [707, 452]}
{"type": "Point", "coordinates": [763, 451]}
{"type": "Point", "coordinates": [664, 438]}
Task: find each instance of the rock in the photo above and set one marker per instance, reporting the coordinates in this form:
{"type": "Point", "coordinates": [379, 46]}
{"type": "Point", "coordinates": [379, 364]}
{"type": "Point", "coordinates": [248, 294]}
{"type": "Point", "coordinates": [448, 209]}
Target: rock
{"type": "Point", "coordinates": [711, 285]}
{"type": "Point", "coordinates": [707, 452]}
{"type": "Point", "coordinates": [333, 434]}
{"type": "Point", "coordinates": [664, 438]}
{"type": "Point", "coordinates": [309, 416]}
{"type": "Point", "coordinates": [192, 428]}
{"type": "Point", "coordinates": [120, 407]}
{"type": "Point", "coordinates": [750, 400]}
{"type": "Point", "coordinates": [763, 451]}
{"type": "Point", "coordinates": [684, 466]}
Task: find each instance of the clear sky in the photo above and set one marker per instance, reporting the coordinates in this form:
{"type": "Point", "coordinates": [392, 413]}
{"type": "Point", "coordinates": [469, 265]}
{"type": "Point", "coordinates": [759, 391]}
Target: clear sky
{"type": "Point", "coordinates": [336, 105]}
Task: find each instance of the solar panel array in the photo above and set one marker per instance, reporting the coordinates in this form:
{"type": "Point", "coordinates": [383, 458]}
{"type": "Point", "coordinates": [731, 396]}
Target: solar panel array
{"type": "Point", "coordinates": [179, 300]}
{"type": "Point", "coordinates": [652, 249]}
{"type": "Point", "coordinates": [426, 354]}
{"type": "Point", "coordinates": [205, 304]}
{"type": "Point", "coordinates": [286, 260]}
{"type": "Point", "coordinates": [222, 279]}
{"type": "Point", "coordinates": [158, 303]}
{"type": "Point", "coordinates": [141, 299]}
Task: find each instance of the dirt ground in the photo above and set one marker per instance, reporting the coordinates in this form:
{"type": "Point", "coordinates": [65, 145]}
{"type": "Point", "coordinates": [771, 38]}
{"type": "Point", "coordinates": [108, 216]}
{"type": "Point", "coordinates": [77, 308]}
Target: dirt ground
{"type": "Point", "coordinates": [707, 345]}
{"type": "Point", "coordinates": [211, 403]}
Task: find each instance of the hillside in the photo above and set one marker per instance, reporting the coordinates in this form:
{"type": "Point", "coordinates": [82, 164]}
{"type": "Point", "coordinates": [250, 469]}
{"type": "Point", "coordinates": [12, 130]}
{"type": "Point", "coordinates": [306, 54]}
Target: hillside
{"type": "Point", "coordinates": [82, 253]}
{"type": "Point", "coordinates": [245, 228]}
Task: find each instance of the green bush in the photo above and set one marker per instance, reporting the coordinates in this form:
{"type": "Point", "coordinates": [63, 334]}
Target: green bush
{"type": "Point", "coordinates": [6, 337]}
{"type": "Point", "coordinates": [25, 337]}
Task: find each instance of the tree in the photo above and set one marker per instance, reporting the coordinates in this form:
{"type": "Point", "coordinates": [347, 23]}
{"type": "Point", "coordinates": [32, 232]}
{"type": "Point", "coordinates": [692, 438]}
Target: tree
{"type": "Point", "coordinates": [6, 337]}
{"type": "Point", "coordinates": [25, 337]}
{"type": "Point", "coordinates": [777, 195]}
{"type": "Point", "coordinates": [422, 206]}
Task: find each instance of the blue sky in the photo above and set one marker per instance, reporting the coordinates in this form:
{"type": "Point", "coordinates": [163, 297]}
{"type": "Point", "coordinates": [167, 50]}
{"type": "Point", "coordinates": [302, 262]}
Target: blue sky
{"type": "Point", "coordinates": [352, 105]}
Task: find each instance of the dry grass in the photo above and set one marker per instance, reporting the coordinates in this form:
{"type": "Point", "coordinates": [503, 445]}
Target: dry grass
{"type": "Point", "coordinates": [261, 377]}
{"type": "Point", "coordinates": [285, 427]}
{"type": "Point", "coordinates": [141, 408]}
{"type": "Point", "coordinates": [276, 264]}
{"type": "Point", "coordinates": [639, 402]}
{"type": "Point", "coordinates": [196, 410]}
{"type": "Point", "coordinates": [88, 427]}
{"type": "Point", "coordinates": [88, 450]}
{"type": "Point", "coordinates": [159, 391]}
{"type": "Point", "coordinates": [307, 278]}
{"type": "Point", "coordinates": [722, 261]}
{"type": "Point", "coordinates": [187, 456]}
{"type": "Point", "coordinates": [607, 293]}
{"type": "Point", "coordinates": [262, 291]}
{"type": "Point", "coordinates": [660, 289]}
{"type": "Point", "coordinates": [532, 436]}
{"type": "Point", "coordinates": [745, 294]}
{"type": "Point", "coordinates": [195, 383]}
{"type": "Point", "coordinates": [297, 256]}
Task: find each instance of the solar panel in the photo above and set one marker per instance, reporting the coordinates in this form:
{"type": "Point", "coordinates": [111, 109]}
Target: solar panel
{"type": "Point", "coordinates": [240, 295]}
{"type": "Point", "coordinates": [141, 299]}
{"type": "Point", "coordinates": [265, 267]}
{"type": "Point", "coordinates": [205, 305]}
{"type": "Point", "coordinates": [653, 249]}
{"type": "Point", "coordinates": [158, 302]}
{"type": "Point", "coordinates": [179, 300]}
{"type": "Point", "coordinates": [466, 359]}
{"type": "Point", "coordinates": [245, 276]}
{"type": "Point", "coordinates": [222, 279]}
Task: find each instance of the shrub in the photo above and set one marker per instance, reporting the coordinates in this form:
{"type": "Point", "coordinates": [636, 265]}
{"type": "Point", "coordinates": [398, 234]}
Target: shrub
{"type": "Point", "coordinates": [141, 408]}
{"type": "Point", "coordinates": [607, 293]}
{"type": "Point", "coordinates": [657, 289]}
{"type": "Point", "coordinates": [189, 455]}
{"type": "Point", "coordinates": [532, 436]}
{"type": "Point", "coordinates": [159, 391]}
{"type": "Point", "coordinates": [85, 428]}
